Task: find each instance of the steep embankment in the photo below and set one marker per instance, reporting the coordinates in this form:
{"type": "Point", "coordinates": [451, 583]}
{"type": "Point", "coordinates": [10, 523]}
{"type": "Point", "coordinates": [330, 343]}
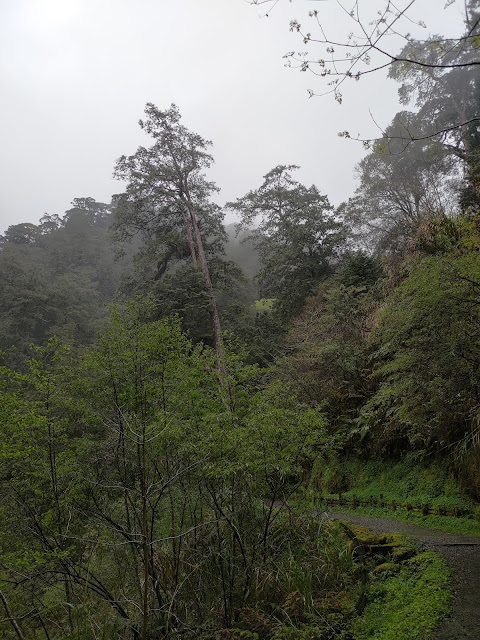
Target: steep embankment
{"type": "Point", "coordinates": [462, 554]}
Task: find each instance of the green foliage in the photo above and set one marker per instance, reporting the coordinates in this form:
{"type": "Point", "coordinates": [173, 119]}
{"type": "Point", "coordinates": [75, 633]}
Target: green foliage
{"type": "Point", "coordinates": [262, 332]}
{"type": "Point", "coordinates": [167, 197]}
{"type": "Point", "coordinates": [427, 353]}
{"type": "Point", "coordinates": [295, 235]}
{"type": "Point", "coordinates": [281, 434]}
{"type": "Point", "coordinates": [57, 278]}
{"type": "Point", "coordinates": [40, 483]}
{"type": "Point", "coordinates": [447, 78]}
{"type": "Point", "coordinates": [413, 477]}
{"type": "Point", "coordinates": [359, 270]}
{"type": "Point", "coordinates": [326, 361]}
{"type": "Point", "coordinates": [264, 304]}
{"type": "Point", "coordinates": [407, 605]}
{"type": "Point", "coordinates": [163, 180]}
{"type": "Point", "coordinates": [411, 480]}
{"type": "Point", "coordinates": [400, 188]}
{"type": "Point", "coordinates": [408, 479]}
{"type": "Point", "coordinates": [127, 470]}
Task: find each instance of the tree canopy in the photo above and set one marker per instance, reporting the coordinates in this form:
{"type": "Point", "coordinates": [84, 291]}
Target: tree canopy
{"type": "Point", "coordinates": [295, 233]}
{"type": "Point", "coordinates": [167, 199]}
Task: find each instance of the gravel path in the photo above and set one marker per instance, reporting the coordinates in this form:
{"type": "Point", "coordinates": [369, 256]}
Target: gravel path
{"type": "Point", "coordinates": [462, 554]}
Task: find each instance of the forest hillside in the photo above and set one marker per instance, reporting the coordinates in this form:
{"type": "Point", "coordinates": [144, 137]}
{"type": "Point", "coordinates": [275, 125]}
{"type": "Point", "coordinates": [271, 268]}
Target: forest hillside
{"type": "Point", "coordinates": [181, 399]}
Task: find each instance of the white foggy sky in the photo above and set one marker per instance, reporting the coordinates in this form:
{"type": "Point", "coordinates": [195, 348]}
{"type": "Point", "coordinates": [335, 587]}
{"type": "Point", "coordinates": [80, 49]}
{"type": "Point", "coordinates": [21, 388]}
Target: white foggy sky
{"type": "Point", "coordinates": [75, 76]}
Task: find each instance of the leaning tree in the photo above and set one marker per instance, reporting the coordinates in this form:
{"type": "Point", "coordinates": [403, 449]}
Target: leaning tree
{"type": "Point", "coordinates": [167, 199]}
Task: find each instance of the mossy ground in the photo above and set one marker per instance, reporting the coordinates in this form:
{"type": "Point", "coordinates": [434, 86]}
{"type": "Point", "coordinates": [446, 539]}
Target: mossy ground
{"type": "Point", "coordinates": [407, 595]}
{"type": "Point", "coordinates": [405, 601]}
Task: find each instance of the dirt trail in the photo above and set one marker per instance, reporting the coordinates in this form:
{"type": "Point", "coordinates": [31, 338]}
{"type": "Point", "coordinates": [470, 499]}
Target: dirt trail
{"type": "Point", "coordinates": [462, 554]}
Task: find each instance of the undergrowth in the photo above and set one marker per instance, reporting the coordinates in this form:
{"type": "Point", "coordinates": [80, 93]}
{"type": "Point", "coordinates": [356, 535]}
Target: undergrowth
{"type": "Point", "coordinates": [407, 479]}
{"type": "Point", "coordinates": [407, 605]}
{"type": "Point", "coordinates": [406, 597]}
{"type": "Point", "coordinates": [408, 482]}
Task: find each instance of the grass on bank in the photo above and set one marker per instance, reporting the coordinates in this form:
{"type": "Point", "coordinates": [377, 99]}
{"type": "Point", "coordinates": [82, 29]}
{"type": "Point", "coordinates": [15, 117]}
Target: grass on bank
{"type": "Point", "coordinates": [402, 482]}
{"type": "Point", "coordinates": [405, 602]}
{"type": "Point", "coordinates": [406, 594]}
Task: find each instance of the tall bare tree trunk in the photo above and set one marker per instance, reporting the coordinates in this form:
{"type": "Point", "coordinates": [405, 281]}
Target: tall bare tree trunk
{"type": "Point", "coordinates": [191, 243]}
{"type": "Point", "coordinates": [145, 536]}
{"type": "Point", "coordinates": [212, 303]}
{"type": "Point", "coordinates": [212, 306]}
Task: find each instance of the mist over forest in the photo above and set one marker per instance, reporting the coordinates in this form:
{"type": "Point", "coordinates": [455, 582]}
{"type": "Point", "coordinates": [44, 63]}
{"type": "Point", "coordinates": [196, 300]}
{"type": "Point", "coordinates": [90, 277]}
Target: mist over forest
{"type": "Point", "coordinates": [190, 389]}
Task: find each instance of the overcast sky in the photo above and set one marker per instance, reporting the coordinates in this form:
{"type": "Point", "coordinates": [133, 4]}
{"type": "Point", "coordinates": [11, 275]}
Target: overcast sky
{"type": "Point", "coordinates": [75, 76]}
